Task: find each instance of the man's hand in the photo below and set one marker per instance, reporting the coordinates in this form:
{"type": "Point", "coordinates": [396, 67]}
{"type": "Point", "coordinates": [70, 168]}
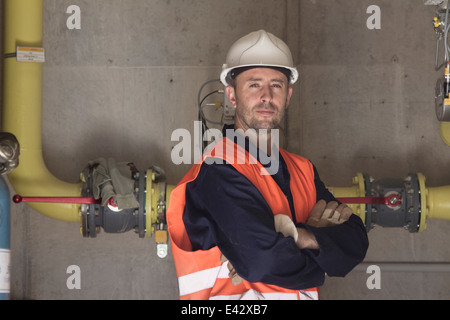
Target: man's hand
{"type": "Point", "coordinates": [328, 215]}
{"type": "Point", "coordinates": [322, 215]}
{"type": "Point", "coordinates": [235, 278]}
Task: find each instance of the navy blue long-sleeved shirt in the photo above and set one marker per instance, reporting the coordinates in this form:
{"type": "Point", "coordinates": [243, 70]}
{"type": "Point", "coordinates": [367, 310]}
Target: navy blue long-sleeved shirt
{"type": "Point", "coordinates": [224, 209]}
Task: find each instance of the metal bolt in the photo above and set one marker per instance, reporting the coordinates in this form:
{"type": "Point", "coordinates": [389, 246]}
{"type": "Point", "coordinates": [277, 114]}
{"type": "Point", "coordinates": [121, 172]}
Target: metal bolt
{"type": "Point", "coordinates": [161, 250]}
{"type": "Point", "coordinates": [7, 151]}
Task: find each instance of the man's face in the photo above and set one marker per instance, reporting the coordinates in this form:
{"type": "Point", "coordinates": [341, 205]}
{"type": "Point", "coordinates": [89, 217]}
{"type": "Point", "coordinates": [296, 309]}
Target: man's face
{"type": "Point", "coordinates": [261, 98]}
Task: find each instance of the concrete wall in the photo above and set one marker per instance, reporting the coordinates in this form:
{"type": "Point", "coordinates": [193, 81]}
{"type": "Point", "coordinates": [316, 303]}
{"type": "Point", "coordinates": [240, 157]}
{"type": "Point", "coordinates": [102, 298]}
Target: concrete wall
{"type": "Point", "coordinates": [119, 87]}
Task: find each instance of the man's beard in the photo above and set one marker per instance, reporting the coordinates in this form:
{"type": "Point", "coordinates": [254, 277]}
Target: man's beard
{"type": "Point", "coordinates": [266, 124]}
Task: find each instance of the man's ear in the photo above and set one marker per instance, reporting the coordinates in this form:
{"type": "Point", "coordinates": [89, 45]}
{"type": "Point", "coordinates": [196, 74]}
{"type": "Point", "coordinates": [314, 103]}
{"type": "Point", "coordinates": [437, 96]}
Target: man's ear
{"type": "Point", "coordinates": [231, 94]}
{"type": "Point", "coordinates": [288, 99]}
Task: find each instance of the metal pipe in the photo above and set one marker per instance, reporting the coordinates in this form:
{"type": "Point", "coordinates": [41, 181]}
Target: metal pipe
{"type": "Point", "coordinates": [22, 112]}
{"type": "Point", "coordinates": [5, 244]}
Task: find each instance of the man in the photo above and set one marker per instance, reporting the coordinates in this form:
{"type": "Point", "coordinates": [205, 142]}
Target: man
{"type": "Point", "coordinates": [242, 231]}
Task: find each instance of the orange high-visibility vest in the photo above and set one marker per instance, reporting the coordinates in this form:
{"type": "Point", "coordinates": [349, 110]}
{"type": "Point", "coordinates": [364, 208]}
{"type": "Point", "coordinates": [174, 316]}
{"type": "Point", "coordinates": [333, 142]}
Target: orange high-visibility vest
{"type": "Point", "coordinates": [201, 274]}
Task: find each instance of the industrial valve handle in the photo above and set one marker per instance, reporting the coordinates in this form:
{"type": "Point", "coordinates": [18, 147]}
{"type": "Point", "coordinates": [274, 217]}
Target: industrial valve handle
{"type": "Point", "coordinates": [81, 200]}
{"type": "Point", "coordinates": [392, 200]}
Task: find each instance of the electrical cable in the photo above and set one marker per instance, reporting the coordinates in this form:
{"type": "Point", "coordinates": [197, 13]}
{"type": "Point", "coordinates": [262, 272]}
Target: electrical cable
{"type": "Point", "coordinates": [445, 39]}
{"type": "Point", "coordinates": [199, 101]}
{"type": "Point", "coordinates": [201, 115]}
{"type": "Point", "coordinates": [446, 28]}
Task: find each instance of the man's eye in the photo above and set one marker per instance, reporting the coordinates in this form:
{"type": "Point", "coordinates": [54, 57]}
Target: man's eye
{"type": "Point", "coordinates": [254, 85]}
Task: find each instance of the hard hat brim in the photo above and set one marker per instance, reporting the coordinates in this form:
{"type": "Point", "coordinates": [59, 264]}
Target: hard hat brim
{"type": "Point", "coordinates": [225, 71]}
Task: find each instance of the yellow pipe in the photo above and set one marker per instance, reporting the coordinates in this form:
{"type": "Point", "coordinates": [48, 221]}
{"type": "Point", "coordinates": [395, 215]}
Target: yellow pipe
{"type": "Point", "coordinates": [438, 203]}
{"type": "Point", "coordinates": [355, 191]}
{"type": "Point", "coordinates": [435, 202]}
{"type": "Point", "coordinates": [22, 112]}
{"type": "Point", "coordinates": [444, 131]}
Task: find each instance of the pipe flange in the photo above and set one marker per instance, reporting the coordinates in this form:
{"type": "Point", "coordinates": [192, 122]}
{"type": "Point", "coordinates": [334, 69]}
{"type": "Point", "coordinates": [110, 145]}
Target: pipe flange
{"type": "Point", "coordinates": [141, 210]}
{"type": "Point", "coordinates": [88, 227]}
{"type": "Point", "coordinates": [422, 196]}
{"type": "Point", "coordinates": [369, 209]}
{"type": "Point", "coordinates": [413, 202]}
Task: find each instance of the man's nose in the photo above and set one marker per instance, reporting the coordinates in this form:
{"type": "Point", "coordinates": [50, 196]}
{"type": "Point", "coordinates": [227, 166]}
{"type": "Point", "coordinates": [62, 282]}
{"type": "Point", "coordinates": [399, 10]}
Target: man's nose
{"type": "Point", "coordinates": [266, 94]}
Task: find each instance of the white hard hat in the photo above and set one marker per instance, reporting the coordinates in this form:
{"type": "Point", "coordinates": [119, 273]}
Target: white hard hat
{"type": "Point", "coordinates": [259, 49]}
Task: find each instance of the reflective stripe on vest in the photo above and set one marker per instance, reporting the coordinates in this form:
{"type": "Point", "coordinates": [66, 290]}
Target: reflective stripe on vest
{"type": "Point", "coordinates": [201, 274]}
{"type": "Point", "coordinates": [206, 279]}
